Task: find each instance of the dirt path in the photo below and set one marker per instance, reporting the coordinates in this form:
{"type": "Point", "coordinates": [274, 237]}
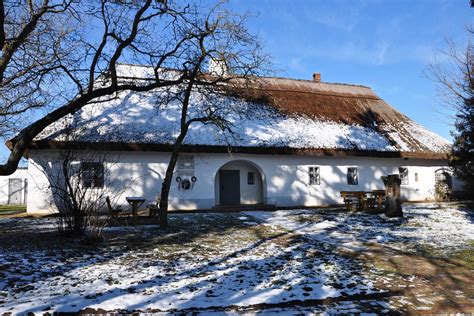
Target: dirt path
{"type": "Point", "coordinates": [427, 285]}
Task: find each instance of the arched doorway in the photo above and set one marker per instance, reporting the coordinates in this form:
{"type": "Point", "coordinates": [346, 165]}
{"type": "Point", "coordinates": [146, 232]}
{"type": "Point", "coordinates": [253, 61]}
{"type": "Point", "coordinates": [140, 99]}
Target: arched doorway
{"type": "Point", "coordinates": [239, 182]}
{"type": "Point", "coordinates": [443, 184]}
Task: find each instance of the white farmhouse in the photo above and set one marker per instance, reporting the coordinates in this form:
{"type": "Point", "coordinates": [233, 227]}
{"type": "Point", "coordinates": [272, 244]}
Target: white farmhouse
{"type": "Point", "coordinates": [301, 146]}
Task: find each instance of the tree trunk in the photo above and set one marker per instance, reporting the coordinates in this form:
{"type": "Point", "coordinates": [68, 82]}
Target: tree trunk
{"type": "Point", "coordinates": [184, 126]}
{"type": "Point", "coordinates": [165, 190]}
{"type": "Point", "coordinates": [166, 186]}
{"type": "Point", "coordinates": [393, 204]}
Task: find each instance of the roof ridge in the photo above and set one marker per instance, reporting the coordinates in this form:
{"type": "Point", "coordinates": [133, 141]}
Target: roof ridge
{"type": "Point", "coordinates": [312, 81]}
{"type": "Point", "coordinates": [267, 77]}
{"type": "Point", "coordinates": [335, 94]}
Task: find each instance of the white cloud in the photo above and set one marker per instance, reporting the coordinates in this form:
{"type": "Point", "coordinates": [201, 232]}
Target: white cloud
{"type": "Point", "coordinates": [380, 52]}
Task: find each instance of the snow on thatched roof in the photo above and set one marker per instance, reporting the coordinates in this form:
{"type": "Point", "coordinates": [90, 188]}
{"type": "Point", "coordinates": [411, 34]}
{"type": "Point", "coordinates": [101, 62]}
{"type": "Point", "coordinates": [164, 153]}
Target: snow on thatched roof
{"type": "Point", "coordinates": [297, 114]}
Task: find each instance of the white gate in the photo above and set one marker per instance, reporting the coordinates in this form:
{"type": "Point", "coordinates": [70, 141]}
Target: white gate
{"type": "Point", "coordinates": [15, 189]}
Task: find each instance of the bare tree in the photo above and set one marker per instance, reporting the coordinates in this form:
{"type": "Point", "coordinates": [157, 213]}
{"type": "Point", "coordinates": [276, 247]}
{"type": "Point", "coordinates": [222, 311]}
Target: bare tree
{"type": "Point", "coordinates": [223, 61]}
{"type": "Point", "coordinates": [455, 77]}
{"type": "Point", "coordinates": [59, 55]}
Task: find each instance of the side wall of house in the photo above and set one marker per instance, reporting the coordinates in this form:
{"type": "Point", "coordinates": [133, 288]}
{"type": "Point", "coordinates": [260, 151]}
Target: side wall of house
{"type": "Point", "coordinates": [284, 179]}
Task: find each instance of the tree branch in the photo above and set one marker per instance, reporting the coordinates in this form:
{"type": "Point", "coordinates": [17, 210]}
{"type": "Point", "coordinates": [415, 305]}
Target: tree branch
{"type": "Point", "coordinates": [9, 48]}
{"type": "Point", "coordinates": [99, 50]}
{"type": "Point", "coordinates": [21, 142]}
{"type": "Point", "coordinates": [123, 44]}
{"type": "Point", "coordinates": [2, 25]}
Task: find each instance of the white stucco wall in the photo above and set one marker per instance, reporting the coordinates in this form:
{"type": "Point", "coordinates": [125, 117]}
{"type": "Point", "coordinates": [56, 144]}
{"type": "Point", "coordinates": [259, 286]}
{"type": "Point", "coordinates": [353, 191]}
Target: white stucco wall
{"type": "Point", "coordinates": [284, 178]}
{"type": "Point", "coordinates": [20, 173]}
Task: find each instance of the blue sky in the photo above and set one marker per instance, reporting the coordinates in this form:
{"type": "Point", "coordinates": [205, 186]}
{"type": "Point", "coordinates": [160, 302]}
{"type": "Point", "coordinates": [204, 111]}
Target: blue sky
{"type": "Point", "coordinates": [386, 45]}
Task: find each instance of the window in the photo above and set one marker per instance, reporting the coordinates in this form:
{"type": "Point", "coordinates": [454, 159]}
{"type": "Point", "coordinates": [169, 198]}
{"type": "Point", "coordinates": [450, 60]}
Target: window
{"type": "Point", "coordinates": [403, 175]}
{"type": "Point", "coordinates": [250, 178]}
{"type": "Point", "coordinates": [92, 174]}
{"type": "Point", "coordinates": [352, 176]}
{"type": "Point", "coordinates": [314, 175]}
{"type": "Point", "coordinates": [186, 162]}
{"type": "Point", "coordinates": [185, 166]}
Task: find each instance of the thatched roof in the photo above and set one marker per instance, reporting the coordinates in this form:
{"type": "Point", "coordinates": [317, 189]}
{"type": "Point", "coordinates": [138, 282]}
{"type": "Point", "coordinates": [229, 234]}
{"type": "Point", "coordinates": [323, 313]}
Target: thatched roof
{"type": "Point", "coordinates": [298, 117]}
{"type": "Point", "coordinates": [351, 105]}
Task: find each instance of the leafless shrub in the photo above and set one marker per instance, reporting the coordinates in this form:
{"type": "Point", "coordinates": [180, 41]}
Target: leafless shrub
{"type": "Point", "coordinates": [78, 195]}
{"type": "Point", "coordinates": [79, 182]}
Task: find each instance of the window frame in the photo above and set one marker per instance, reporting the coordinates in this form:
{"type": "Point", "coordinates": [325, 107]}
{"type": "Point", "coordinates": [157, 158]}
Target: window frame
{"type": "Point", "coordinates": [250, 178]}
{"type": "Point", "coordinates": [314, 175]}
{"type": "Point", "coordinates": [351, 180]}
{"type": "Point", "coordinates": [403, 175]}
{"type": "Point", "coordinates": [97, 178]}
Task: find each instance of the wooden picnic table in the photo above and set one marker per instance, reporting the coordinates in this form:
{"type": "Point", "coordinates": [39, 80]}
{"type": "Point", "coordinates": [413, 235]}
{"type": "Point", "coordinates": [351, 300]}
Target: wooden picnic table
{"type": "Point", "coordinates": [364, 198]}
{"type": "Point", "coordinates": [135, 202]}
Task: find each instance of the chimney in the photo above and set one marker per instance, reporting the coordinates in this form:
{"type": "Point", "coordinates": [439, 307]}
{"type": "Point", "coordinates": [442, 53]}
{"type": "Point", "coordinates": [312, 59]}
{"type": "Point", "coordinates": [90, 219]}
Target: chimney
{"type": "Point", "coordinates": [317, 77]}
{"type": "Point", "coordinates": [218, 67]}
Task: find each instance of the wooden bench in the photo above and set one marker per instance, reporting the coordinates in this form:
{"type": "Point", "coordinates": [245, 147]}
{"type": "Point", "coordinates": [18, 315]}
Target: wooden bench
{"type": "Point", "coordinates": [363, 199]}
{"type": "Point", "coordinates": [113, 212]}
{"type": "Point", "coordinates": [154, 207]}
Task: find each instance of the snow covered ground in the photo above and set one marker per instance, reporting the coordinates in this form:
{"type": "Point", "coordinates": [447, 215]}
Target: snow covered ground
{"type": "Point", "coordinates": [445, 228]}
{"type": "Point", "coordinates": [215, 263]}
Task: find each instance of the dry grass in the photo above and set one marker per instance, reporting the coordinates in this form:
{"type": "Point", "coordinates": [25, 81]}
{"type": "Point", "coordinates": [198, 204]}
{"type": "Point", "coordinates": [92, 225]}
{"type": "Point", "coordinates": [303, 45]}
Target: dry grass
{"type": "Point", "coordinates": [5, 209]}
{"type": "Point", "coordinates": [445, 285]}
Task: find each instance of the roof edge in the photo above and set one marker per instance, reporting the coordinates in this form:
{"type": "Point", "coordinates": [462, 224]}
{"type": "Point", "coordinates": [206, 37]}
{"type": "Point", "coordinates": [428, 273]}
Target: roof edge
{"type": "Point", "coordinates": [44, 144]}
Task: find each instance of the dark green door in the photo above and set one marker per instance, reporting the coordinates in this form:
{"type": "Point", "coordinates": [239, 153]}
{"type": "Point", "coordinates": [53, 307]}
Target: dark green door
{"type": "Point", "coordinates": [229, 190]}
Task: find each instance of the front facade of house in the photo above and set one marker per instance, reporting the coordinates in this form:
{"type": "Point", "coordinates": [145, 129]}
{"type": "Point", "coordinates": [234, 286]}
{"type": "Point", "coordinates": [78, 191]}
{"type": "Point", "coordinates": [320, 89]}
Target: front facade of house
{"type": "Point", "coordinates": [311, 141]}
{"type": "Point", "coordinates": [268, 179]}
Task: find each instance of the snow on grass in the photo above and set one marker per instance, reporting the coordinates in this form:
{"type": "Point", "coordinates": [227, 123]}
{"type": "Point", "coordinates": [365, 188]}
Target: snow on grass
{"type": "Point", "coordinates": [252, 275]}
{"type": "Point", "coordinates": [443, 228]}
{"type": "Point", "coordinates": [214, 261]}
{"type": "Point", "coordinates": [446, 228]}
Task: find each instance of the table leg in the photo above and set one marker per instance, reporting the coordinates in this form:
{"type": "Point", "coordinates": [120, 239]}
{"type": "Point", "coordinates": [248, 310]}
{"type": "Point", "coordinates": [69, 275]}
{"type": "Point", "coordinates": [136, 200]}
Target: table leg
{"type": "Point", "coordinates": [361, 203]}
{"type": "Point", "coordinates": [134, 210]}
